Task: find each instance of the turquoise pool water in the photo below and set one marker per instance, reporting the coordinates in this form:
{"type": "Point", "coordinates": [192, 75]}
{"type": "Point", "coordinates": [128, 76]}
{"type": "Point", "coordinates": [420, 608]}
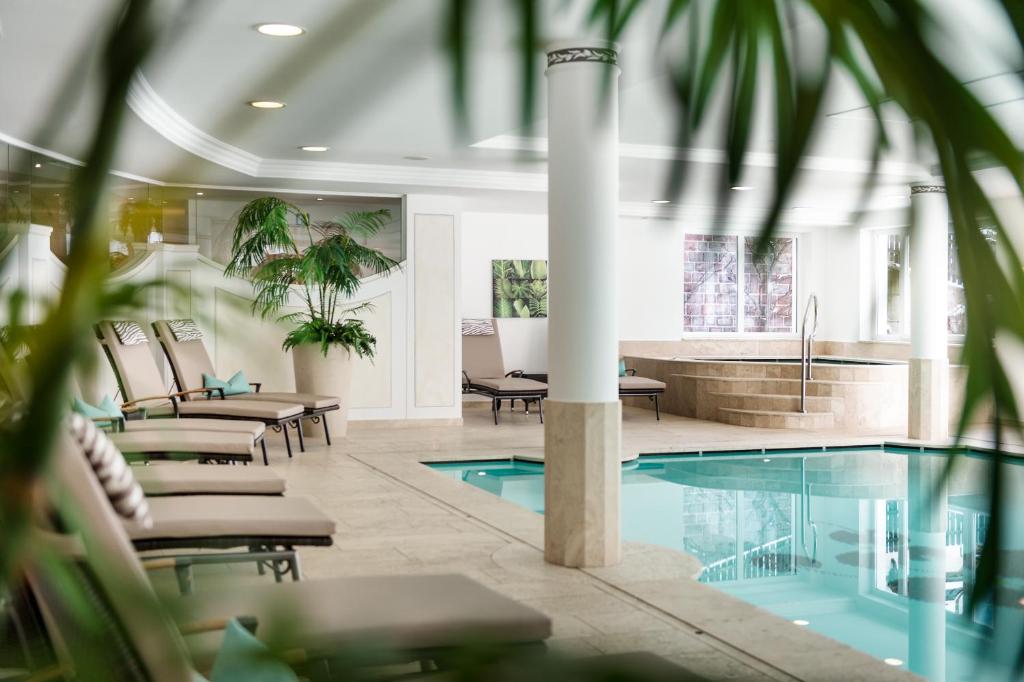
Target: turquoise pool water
{"type": "Point", "coordinates": [836, 541]}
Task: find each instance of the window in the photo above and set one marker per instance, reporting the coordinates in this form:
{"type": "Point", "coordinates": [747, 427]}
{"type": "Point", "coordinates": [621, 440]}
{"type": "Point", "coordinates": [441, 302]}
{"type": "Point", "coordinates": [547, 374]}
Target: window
{"type": "Point", "coordinates": [768, 286]}
{"type": "Point", "coordinates": [710, 270]}
{"type": "Point", "coordinates": [892, 277]}
{"type": "Point", "coordinates": [956, 302]}
{"type": "Point", "coordinates": [893, 284]}
{"type": "Point", "coordinates": [714, 270]}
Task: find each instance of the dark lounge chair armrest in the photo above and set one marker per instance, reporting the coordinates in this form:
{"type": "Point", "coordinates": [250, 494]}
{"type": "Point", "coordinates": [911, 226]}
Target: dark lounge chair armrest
{"type": "Point", "coordinates": [208, 392]}
{"type": "Point", "coordinates": [631, 372]}
{"type": "Point", "coordinates": [116, 423]}
{"type": "Point", "coordinates": [132, 405]}
{"type": "Point", "coordinates": [215, 624]}
{"type": "Point", "coordinates": [516, 373]}
{"type": "Point", "coordinates": [256, 385]}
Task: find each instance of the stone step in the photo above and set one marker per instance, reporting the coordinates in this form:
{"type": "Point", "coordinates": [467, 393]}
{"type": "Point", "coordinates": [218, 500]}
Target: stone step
{"type": "Point", "coordinates": [779, 370]}
{"type": "Point", "coordinates": [815, 387]}
{"type": "Point", "coordinates": [773, 419]}
{"type": "Point", "coordinates": [776, 402]}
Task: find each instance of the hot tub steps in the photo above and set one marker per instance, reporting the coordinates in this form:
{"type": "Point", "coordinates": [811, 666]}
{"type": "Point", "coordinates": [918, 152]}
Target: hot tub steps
{"type": "Point", "coordinates": [775, 419]}
{"type": "Point", "coordinates": [774, 402]}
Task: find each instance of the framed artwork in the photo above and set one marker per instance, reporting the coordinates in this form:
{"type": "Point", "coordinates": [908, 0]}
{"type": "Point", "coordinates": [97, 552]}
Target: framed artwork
{"type": "Point", "coordinates": [520, 288]}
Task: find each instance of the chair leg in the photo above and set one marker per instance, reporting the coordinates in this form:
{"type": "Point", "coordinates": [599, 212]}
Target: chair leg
{"type": "Point", "coordinates": [540, 409]}
{"type": "Point", "coordinates": [494, 409]}
{"type": "Point", "coordinates": [657, 407]}
{"type": "Point", "coordinates": [302, 436]}
{"type": "Point", "coordinates": [327, 431]}
{"type": "Point", "coordinates": [263, 446]}
{"type": "Point", "coordinates": [287, 439]}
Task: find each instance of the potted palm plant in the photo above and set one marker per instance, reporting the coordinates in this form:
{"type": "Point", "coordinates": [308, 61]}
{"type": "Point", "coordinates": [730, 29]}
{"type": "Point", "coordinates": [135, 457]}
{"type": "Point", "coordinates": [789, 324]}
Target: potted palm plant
{"type": "Point", "coordinates": [282, 252]}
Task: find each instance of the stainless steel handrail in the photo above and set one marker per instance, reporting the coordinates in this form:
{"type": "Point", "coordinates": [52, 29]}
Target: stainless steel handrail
{"type": "Point", "coordinates": [805, 516]}
{"type": "Point", "coordinates": [805, 349]}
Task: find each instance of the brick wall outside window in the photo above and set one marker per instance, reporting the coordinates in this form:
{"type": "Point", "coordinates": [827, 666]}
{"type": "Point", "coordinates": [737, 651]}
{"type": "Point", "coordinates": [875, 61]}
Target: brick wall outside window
{"type": "Point", "coordinates": [710, 278]}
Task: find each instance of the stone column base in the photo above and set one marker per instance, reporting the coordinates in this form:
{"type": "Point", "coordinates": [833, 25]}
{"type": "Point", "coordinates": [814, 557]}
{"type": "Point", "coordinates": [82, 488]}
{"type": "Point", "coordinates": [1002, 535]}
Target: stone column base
{"type": "Point", "coordinates": [928, 400]}
{"type": "Point", "coordinates": [582, 475]}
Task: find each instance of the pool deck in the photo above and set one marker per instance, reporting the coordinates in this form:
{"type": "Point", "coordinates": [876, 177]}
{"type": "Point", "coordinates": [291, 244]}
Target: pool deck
{"type": "Point", "coordinates": [396, 516]}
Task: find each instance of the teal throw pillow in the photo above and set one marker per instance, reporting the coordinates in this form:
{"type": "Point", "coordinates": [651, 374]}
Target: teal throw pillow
{"type": "Point", "coordinates": [236, 385]}
{"type": "Point", "coordinates": [243, 658]}
{"type": "Point", "coordinates": [106, 408]}
{"type": "Point", "coordinates": [622, 368]}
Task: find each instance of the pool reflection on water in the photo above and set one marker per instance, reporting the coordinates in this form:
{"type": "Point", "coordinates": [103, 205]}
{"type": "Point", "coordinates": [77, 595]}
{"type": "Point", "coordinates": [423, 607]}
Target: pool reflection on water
{"type": "Point", "coordinates": [863, 546]}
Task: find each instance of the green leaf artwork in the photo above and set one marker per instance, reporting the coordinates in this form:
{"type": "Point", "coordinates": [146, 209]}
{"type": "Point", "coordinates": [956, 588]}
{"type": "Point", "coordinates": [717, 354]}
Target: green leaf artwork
{"type": "Point", "coordinates": [520, 288]}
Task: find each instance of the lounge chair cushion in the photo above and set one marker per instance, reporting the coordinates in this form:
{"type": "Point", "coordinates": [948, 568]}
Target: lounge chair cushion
{"type": "Point", "coordinates": [253, 428]}
{"type": "Point", "coordinates": [481, 355]}
{"type": "Point", "coordinates": [198, 442]}
{"type": "Point", "coordinates": [511, 385]}
{"type": "Point", "coordinates": [184, 478]}
{"type": "Point", "coordinates": [405, 612]}
{"type": "Point", "coordinates": [218, 516]}
{"type": "Point", "coordinates": [309, 401]}
{"type": "Point", "coordinates": [234, 408]}
{"type": "Point", "coordinates": [629, 383]}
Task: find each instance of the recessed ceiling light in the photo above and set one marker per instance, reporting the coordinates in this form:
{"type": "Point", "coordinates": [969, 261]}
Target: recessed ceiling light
{"type": "Point", "coordinates": [481, 473]}
{"type": "Point", "coordinates": [801, 621]}
{"type": "Point", "coordinates": [56, 194]}
{"type": "Point", "coordinates": [280, 30]}
{"type": "Point", "coordinates": [199, 194]}
{"type": "Point", "coordinates": [131, 198]}
{"type": "Point", "coordinates": [414, 157]}
{"type": "Point", "coordinates": [39, 165]}
{"type": "Point", "coordinates": [741, 188]}
{"type": "Point", "coordinates": [766, 459]}
{"type": "Point", "coordinates": [892, 661]}
{"type": "Point", "coordinates": [660, 201]}
{"type": "Point", "coordinates": [313, 148]}
{"type": "Point", "coordinates": [266, 104]}
{"type": "Point", "coordinates": [319, 198]}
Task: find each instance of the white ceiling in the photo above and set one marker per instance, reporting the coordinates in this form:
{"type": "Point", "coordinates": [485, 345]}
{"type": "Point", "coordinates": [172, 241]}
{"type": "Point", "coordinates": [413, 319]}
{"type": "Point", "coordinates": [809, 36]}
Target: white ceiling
{"type": "Point", "coordinates": [369, 80]}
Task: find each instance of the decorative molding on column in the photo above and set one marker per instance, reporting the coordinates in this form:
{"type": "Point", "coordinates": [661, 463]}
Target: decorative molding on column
{"type": "Point", "coordinates": [601, 55]}
{"type": "Point", "coordinates": [927, 189]}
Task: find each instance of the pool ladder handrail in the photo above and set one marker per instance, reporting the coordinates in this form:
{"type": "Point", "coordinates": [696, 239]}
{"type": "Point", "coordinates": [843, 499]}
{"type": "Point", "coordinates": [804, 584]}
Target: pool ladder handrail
{"type": "Point", "coordinates": [806, 516]}
{"type": "Point", "coordinates": [806, 342]}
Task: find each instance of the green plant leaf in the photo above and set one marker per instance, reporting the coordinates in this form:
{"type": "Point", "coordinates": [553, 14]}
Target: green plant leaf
{"type": "Point", "coordinates": [503, 308]}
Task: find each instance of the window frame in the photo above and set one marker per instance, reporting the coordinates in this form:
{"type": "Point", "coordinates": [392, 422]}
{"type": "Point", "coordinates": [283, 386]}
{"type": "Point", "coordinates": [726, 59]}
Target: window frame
{"type": "Point", "coordinates": [741, 268]}
{"type": "Point", "coordinates": [879, 283]}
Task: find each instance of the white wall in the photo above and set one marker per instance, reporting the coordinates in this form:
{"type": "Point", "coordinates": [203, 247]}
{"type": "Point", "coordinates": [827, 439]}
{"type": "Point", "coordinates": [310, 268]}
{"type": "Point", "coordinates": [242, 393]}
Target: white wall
{"type": "Point", "coordinates": [650, 296]}
{"type": "Point", "coordinates": [498, 236]}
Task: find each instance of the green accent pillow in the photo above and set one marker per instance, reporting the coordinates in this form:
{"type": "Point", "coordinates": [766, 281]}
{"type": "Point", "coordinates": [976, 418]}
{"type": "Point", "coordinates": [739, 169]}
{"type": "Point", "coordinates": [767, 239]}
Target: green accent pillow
{"type": "Point", "coordinates": [236, 385]}
{"type": "Point", "coordinates": [106, 408]}
{"type": "Point", "coordinates": [622, 368]}
{"type": "Point", "coordinates": [243, 658]}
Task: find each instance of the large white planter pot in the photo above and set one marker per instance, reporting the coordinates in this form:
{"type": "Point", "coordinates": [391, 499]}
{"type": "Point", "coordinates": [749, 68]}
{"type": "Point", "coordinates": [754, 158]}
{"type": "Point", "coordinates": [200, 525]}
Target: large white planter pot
{"type": "Point", "coordinates": [331, 375]}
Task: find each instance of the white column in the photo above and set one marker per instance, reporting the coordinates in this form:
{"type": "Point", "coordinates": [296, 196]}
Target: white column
{"type": "Point", "coordinates": [583, 429]}
{"type": "Point", "coordinates": [929, 361]}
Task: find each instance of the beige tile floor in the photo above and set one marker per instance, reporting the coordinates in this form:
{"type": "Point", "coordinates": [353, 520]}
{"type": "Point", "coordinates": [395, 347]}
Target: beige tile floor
{"type": "Point", "coordinates": [396, 516]}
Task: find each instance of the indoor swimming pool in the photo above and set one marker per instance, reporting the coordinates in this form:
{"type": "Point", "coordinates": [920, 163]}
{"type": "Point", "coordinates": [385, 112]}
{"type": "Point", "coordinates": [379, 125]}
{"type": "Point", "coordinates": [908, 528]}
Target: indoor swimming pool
{"type": "Point", "coordinates": [834, 540]}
